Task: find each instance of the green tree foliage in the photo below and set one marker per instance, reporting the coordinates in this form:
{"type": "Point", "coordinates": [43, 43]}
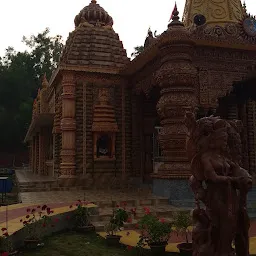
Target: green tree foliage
{"type": "Point", "coordinates": [137, 51]}
{"type": "Point", "coordinates": [20, 78]}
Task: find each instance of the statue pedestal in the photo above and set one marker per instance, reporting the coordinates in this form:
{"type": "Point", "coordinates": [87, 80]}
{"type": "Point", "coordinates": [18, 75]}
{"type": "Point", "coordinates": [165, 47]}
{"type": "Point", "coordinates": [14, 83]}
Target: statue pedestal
{"type": "Point", "coordinates": [171, 181]}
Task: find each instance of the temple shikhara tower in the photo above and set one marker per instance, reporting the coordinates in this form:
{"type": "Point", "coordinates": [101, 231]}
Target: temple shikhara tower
{"type": "Point", "coordinates": [103, 120]}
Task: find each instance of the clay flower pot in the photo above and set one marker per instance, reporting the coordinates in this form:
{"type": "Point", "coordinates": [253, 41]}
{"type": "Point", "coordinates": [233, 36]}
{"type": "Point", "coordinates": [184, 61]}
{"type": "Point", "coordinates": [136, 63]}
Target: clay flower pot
{"type": "Point", "coordinates": [85, 229]}
{"type": "Point", "coordinates": [31, 243]}
{"type": "Point", "coordinates": [113, 240]}
{"type": "Point", "coordinates": [186, 249]}
{"type": "Point", "coordinates": [158, 248]}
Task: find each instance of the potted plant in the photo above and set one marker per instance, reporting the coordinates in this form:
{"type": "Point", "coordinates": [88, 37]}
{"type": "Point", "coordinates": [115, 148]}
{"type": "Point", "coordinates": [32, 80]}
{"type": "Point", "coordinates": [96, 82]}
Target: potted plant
{"type": "Point", "coordinates": [155, 232]}
{"type": "Point", "coordinates": [6, 246]}
{"type": "Point", "coordinates": [182, 221]}
{"type": "Point", "coordinates": [115, 224]}
{"type": "Point", "coordinates": [82, 218]}
{"type": "Point", "coordinates": [34, 223]}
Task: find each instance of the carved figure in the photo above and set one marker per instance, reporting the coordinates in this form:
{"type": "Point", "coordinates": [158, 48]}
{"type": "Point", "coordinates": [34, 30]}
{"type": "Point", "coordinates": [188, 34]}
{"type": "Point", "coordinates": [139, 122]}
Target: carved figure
{"type": "Point", "coordinates": [218, 181]}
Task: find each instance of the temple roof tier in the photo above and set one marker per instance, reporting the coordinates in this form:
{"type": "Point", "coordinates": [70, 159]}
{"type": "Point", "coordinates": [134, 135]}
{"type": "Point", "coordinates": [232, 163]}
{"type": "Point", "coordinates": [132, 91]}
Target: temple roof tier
{"type": "Point", "coordinates": [93, 14]}
{"type": "Point", "coordinates": [93, 44]}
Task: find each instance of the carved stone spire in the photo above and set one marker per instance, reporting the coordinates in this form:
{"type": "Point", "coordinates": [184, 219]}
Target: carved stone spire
{"type": "Point", "coordinates": [45, 83]}
{"type": "Point", "coordinates": [216, 12]}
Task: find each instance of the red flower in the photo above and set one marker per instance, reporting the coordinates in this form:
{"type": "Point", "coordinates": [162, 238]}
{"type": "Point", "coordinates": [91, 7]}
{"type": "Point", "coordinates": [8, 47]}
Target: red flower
{"type": "Point", "coordinates": [52, 212]}
{"type": "Point", "coordinates": [162, 220]}
{"type": "Point", "coordinates": [129, 220]}
{"type": "Point", "coordinates": [48, 210]}
{"type": "Point", "coordinates": [70, 206]}
{"type": "Point", "coordinates": [27, 216]}
{"type": "Point", "coordinates": [3, 229]}
{"type": "Point", "coordinates": [33, 210]}
{"type": "Point", "coordinates": [25, 222]}
{"type": "Point", "coordinates": [28, 210]}
{"type": "Point", "coordinates": [38, 206]}
{"type": "Point", "coordinates": [117, 206]}
{"type": "Point", "coordinates": [137, 226]}
{"type": "Point", "coordinates": [44, 225]}
{"type": "Point", "coordinates": [129, 247]}
{"type": "Point", "coordinates": [5, 254]}
{"type": "Point", "coordinates": [6, 234]}
{"type": "Point", "coordinates": [56, 220]}
{"type": "Point", "coordinates": [44, 207]}
{"type": "Point", "coordinates": [128, 233]}
{"type": "Point", "coordinates": [79, 201]}
{"type": "Point", "coordinates": [68, 217]}
{"type": "Point", "coordinates": [146, 210]}
{"type": "Point", "coordinates": [133, 211]}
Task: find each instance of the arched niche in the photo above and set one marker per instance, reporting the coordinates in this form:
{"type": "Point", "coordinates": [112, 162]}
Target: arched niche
{"type": "Point", "coordinates": [104, 145]}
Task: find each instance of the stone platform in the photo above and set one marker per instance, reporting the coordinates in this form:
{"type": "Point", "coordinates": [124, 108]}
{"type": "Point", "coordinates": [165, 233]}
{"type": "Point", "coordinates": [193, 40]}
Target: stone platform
{"type": "Point", "coordinates": [29, 182]}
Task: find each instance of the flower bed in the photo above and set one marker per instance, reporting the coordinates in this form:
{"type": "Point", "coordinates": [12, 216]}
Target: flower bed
{"type": "Point", "coordinates": [41, 222]}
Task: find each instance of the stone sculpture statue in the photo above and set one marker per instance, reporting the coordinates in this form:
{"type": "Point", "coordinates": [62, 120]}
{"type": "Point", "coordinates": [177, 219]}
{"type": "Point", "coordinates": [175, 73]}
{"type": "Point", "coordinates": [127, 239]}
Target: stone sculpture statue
{"type": "Point", "coordinates": [220, 184]}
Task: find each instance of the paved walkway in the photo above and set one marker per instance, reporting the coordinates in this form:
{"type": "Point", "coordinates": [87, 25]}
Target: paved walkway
{"type": "Point", "coordinates": [88, 195]}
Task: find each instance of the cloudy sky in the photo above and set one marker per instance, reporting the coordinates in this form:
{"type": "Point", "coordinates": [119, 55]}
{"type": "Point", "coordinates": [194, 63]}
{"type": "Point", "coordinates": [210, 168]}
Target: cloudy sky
{"type": "Point", "coordinates": [132, 18]}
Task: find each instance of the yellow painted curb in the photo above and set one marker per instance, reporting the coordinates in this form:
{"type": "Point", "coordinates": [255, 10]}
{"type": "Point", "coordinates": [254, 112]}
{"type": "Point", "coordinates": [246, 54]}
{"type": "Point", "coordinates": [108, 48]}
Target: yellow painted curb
{"type": "Point", "coordinates": [14, 206]}
{"type": "Point", "coordinates": [131, 238]}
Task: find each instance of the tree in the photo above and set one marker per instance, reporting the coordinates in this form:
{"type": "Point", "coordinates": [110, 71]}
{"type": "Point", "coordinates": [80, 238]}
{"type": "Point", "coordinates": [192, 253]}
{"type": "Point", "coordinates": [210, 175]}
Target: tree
{"type": "Point", "coordinates": [137, 51]}
{"type": "Point", "coordinates": [20, 78]}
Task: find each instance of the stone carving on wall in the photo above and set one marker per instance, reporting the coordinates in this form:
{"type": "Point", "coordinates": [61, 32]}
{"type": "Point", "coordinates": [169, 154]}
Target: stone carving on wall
{"type": "Point", "coordinates": [214, 84]}
{"type": "Point", "coordinates": [214, 149]}
{"type": "Point", "coordinates": [230, 33]}
{"type": "Point", "coordinates": [103, 95]}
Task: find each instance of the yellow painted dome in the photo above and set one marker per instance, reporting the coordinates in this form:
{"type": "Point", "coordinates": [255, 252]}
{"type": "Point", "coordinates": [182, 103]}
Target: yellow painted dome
{"type": "Point", "coordinates": [216, 12]}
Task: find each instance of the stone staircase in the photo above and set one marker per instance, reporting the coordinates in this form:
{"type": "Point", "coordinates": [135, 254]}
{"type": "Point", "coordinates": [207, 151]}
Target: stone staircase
{"type": "Point", "coordinates": [160, 207]}
{"type": "Point", "coordinates": [39, 186]}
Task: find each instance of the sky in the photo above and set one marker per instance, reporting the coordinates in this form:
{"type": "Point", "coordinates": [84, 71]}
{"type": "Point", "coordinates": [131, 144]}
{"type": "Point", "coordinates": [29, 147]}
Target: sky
{"type": "Point", "coordinates": [132, 18]}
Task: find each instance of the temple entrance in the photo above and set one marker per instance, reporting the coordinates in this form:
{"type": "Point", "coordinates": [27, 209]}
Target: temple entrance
{"type": "Point", "coordinates": [149, 130]}
{"type": "Point", "coordinates": [240, 104]}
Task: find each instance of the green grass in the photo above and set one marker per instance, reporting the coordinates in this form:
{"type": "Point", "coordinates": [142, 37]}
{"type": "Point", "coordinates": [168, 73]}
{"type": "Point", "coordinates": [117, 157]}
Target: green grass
{"type": "Point", "coordinates": [74, 244]}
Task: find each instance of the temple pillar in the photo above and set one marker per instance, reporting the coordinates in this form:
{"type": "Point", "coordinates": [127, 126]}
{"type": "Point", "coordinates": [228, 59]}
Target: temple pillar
{"type": "Point", "coordinates": [242, 115]}
{"type": "Point", "coordinates": [177, 78]}
{"type": "Point", "coordinates": [37, 153]}
{"type": "Point", "coordinates": [232, 111]}
{"type": "Point", "coordinates": [30, 155]}
{"type": "Point", "coordinates": [68, 127]}
{"type": "Point", "coordinates": [251, 135]}
{"type": "Point", "coordinates": [33, 154]}
{"type": "Point", "coordinates": [42, 149]}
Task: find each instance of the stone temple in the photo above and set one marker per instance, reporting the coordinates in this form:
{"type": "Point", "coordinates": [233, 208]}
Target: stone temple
{"type": "Point", "coordinates": [103, 120]}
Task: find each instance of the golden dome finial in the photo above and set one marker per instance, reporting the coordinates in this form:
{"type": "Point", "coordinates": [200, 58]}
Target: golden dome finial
{"type": "Point", "coordinates": [221, 13]}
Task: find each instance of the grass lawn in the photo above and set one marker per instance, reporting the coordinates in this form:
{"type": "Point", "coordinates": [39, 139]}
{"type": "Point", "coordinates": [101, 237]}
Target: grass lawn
{"type": "Point", "coordinates": [74, 244]}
